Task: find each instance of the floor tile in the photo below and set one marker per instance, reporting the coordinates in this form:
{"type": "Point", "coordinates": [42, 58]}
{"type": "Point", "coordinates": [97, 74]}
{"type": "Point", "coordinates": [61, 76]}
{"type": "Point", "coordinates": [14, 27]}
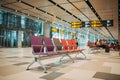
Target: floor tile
{"type": "Point", "coordinates": [10, 69]}
{"type": "Point", "coordinates": [107, 76]}
{"type": "Point", "coordinates": [52, 76]}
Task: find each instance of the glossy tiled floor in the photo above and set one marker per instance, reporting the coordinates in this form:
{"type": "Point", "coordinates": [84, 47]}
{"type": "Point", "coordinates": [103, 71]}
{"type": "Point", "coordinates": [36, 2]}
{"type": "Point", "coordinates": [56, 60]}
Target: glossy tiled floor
{"type": "Point", "coordinates": [97, 66]}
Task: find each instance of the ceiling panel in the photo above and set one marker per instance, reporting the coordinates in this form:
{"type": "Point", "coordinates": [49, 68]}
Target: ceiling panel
{"type": "Point", "coordinates": [18, 6]}
{"type": "Point", "coordinates": [39, 3]}
{"type": "Point", "coordinates": [82, 17]}
{"type": "Point", "coordinates": [36, 11]}
{"type": "Point", "coordinates": [14, 7]}
{"type": "Point", "coordinates": [55, 11]}
{"type": "Point", "coordinates": [108, 10]}
{"type": "Point", "coordinates": [61, 1]}
{"type": "Point", "coordinates": [21, 5]}
{"type": "Point", "coordinates": [69, 18]}
{"type": "Point", "coordinates": [67, 6]}
{"type": "Point", "coordinates": [76, 0]}
{"type": "Point", "coordinates": [105, 9]}
{"type": "Point", "coordinates": [7, 1]}
{"type": "Point", "coordinates": [83, 7]}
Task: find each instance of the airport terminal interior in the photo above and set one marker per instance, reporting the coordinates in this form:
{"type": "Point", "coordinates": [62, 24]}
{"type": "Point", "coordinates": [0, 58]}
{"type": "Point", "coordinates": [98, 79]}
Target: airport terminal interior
{"type": "Point", "coordinates": [60, 39]}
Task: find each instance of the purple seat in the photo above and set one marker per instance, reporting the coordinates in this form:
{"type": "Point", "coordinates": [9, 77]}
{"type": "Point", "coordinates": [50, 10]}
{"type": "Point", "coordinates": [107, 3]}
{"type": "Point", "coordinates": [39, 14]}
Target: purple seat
{"type": "Point", "coordinates": [37, 45]}
{"type": "Point", "coordinates": [37, 50]}
{"type": "Point", "coordinates": [48, 44]}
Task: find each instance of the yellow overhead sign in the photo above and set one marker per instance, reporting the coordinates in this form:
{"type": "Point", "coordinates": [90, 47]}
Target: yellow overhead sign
{"type": "Point", "coordinates": [76, 24]}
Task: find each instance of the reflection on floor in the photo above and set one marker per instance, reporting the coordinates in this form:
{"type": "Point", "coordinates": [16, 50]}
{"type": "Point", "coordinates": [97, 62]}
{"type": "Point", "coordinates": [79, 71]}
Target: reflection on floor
{"type": "Point", "coordinates": [97, 66]}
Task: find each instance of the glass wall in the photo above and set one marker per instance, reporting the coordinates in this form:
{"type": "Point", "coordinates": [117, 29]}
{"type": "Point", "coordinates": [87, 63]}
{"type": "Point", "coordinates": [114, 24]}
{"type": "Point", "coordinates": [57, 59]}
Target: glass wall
{"type": "Point", "coordinates": [9, 39]}
{"type": "Point", "coordinates": [11, 24]}
{"type": "Point", "coordinates": [82, 34]}
{"type": "Point", "coordinates": [63, 31]}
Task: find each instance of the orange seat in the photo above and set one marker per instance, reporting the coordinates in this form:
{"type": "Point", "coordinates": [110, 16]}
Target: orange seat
{"type": "Point", "coordinates": [70, 44]}
{"type": "Point", "coordinates": [62, 47]}
{"type": "Point", "coordinates": [64, 43]}
{"type": "Point", "coordinates": [74, 44]}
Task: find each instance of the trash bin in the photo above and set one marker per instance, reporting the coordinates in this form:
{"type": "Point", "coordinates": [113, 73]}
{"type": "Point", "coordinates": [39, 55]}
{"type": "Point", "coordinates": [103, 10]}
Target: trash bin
{"type": "Point", "coordinates": [107, 49]}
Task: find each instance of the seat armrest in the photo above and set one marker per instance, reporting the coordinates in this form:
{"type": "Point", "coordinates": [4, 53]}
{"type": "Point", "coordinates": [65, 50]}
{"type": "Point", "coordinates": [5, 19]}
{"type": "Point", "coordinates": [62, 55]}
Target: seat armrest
{"type": "Point", "coordinates": [41, 47]}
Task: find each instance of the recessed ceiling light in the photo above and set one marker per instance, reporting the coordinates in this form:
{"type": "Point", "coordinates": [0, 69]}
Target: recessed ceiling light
{"type": "Point", "coordinates": [34, 7]}
{"type": "Point", "coordinates": [19, 0]}
{"type": "Point", "coordinates": [15, 10]}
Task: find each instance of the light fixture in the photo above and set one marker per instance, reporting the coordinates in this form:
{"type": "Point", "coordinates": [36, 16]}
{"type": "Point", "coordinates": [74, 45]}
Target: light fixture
{"type": "Point", "coordinates": [34, 7]}
{"type": "Point", "coordinates": [54, 29]}
{"type": "Point", "coordinates": [19, 0]}
{"type": "Point", "coordinates": [62, 31]}
{"type": "Point", "coordinates": [38, 17]}
{"type": "Point", "coordinates": [15, 10]}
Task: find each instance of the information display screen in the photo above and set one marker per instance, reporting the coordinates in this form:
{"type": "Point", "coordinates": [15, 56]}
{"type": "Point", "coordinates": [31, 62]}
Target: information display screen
{"type": "Point", "coordinates": [107, 23]}
{"type": "Point", "coordinates": [95, 23]}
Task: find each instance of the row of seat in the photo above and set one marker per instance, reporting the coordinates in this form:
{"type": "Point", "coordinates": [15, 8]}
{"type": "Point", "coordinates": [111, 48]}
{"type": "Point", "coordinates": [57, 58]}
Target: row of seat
{"type": "Point", "coordinates": [114, 46]}
{"type": "Point", "coordinates": [54, 46]}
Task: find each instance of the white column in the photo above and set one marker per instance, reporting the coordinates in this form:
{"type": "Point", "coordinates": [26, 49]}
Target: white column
{"type": "Point", "coordinates": [47, 29]}
{"type": "Point", "coordinates": [20, 38]}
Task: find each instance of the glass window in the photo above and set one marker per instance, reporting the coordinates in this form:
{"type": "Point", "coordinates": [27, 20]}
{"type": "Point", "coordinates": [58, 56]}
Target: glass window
{"type": "Point", "coordinates": [27, 25]}
{"type": "Point", "coordinates": [23, 22]}
{"type": "Point", "coordinates": [1, 17]}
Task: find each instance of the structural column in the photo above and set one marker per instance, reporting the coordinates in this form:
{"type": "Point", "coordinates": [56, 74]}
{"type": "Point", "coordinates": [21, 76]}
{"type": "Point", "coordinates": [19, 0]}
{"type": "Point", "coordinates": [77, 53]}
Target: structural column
{"type": "Point", "coordinates": [47, 29]}
{"type": "Point", "coordinates": [20, 38]}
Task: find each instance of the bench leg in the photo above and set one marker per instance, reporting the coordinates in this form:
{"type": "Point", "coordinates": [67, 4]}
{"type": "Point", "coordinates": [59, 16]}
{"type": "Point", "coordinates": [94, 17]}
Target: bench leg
{"type": "Point", "coordinates": [119, 52]}
{"type": "Point", "coordinates": [36, 60]}
{"type": "Point", "coordinates": [45, 70]}
{"type": "Point", "coordinates": [81, 53]}
{"type": "Point", "coordinates": [68, 56]}
{"type": "Point", "coordinates": [62, 57]}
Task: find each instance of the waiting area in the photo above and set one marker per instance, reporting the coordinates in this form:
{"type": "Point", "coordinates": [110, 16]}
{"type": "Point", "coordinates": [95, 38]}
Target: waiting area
{"type": "Point", "coordinates": [97, 66]}
{"type": "Point", "coordinates": [59, 40]}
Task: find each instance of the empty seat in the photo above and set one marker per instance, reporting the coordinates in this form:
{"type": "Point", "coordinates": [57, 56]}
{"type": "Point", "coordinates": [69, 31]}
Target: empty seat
{"type": "Point", "coordinates": [61, 49]}
{"type": "Point", "coordinates": [37, 50]}
{"type": "Point", "coordinates": [79, 50]}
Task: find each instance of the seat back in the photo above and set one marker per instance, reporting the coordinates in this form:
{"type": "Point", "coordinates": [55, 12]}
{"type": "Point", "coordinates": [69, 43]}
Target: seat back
{"type": "Point", "coordinates": [64, 43]}
{"type": "Point", "coordinates": [48, 44]}
{"type": "Point", "coordinates": [74, 43]}
{"type": "Point", "coordinates": [36, 44]}
{"type": "Point", "coordinates": [70, 44]}
{"type": "Point", "coordinates": [57, 43]}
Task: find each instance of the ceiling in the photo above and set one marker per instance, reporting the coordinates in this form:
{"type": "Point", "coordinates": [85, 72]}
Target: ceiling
{"type": "Point", "coordinates": [67, 11]}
